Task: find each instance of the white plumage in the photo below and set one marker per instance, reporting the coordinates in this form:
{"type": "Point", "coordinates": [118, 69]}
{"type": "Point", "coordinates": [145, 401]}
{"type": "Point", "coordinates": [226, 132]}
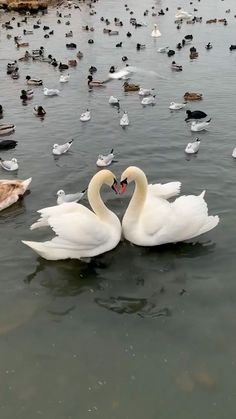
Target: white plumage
{"type": "Point", "coordinates": [59, 149]}
{"type": "Point", "coordinates": [50, 92]}
{"type": "Point", "coordinates": [124, 121]}
{"type": "Point", "coordinates": [63, 198]}
{"type": "Point", "coordinates": [200, 126]}
{"type": "Point", "coordinates": [151, 220]}
{"type": "Point", "coordinates": [193, 147]}
{"type": "Point", "coordinates": [85, 116]}
{"type": "Point", "coordinates": [176, 106]}
{"type": "Point", "coordinates": [105, 160]}
{"type": "Point", "coordinates": [150, 100]}
{"type": "Point", "coordinates": [9, 165]}
{"type": "Point", "coordinates": [156, 33]}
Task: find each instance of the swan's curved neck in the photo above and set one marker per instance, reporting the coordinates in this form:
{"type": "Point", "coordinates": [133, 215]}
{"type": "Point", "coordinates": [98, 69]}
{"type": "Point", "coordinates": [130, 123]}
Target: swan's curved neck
{"type": "Point", "coordinates": [94, 198]}
{"type": "Point", "coordinates": [139, 195]}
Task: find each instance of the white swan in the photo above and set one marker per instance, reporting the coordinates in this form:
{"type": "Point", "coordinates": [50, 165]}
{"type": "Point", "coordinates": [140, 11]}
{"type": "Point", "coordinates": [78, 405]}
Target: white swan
{"type": "Point", "coordinates": [156, 33]}
{"type": "Point", "coordinates": [193, 147]}
{"type": "Point", "coordinates": [199, 126]}
{"type": "Point", "coordinates": [50, 92]}
{"type": "Point", "coordinates": [80, 232]}
{"type": "Point", "coordinates": [150, 100]}
{"type": "Point", "coordinates": [124, 121]}
{"type": "Point", "coordinates": [150, 220]}
{"type": "Point", "coordinates": [176, 106]}
{"type": "Point", "coordinates": [85, 116]}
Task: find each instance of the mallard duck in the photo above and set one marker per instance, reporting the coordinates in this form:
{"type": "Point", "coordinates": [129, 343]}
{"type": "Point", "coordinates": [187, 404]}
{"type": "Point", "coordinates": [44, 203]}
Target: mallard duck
{"type": "Point", "coordinates": [39, 111]}
{"type": "Point", "coordinates": [131, 87]}
{"type": "Point", "coordinates": [33, 82]}
{"type": "Point", "coordinates": [7, 144]}
{"type": "Point", "coordinates": [63, 66]}
{"type": "Point", "coordinates": [6, 128]}
{"type": "Point", "coordinates": [192, 96]}
{"type": "Point", "coordinates": [11, 190]}
{"type": "Point", "coordinates": [94, 83]}
{"type": "Point", "coordinates": [176, 67]}
{"type": "Point", "coordinates": [26, 94]}
{"type": "Point", "coordinates": [79, 55]}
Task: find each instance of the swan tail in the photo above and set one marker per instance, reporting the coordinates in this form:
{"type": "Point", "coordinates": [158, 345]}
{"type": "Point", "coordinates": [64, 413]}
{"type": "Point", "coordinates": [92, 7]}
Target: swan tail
{"type": "Point", "coordinates": [26, 183]}
{"type": "Point", "coordinates": [212, 222]}
{"type": "Point", "coordinates": [53, 250]}
{"type": "Point", "coordinates": [41, 222]}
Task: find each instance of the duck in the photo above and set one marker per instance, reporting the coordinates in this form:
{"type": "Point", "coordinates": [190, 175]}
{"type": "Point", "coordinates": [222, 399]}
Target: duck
{"type": "Point", "coordinates": [193, 96]}
{"type": "Point", "coordinates": [200, 126]}
{"type": "Point", "coordinates": [129, 34]}
{"type": "Point", "coordinates": [119, 45]}
{"type": "Point", "coordinates": [149, 100]}
{"type": "Point", "coordinates": [80, 232]}
{"type": "Point", "coordinates": [105, 160]}
{"type": "Point", "coordinates": [140, 46]}
{"type": "Point", "coordinates": [124, 58]}
{"type": "Point", "coordinates": [152, 221]}
{"type": "Point", "coordinates": [94, 83]}
{"type": "Point", "coordinates": [208, 46]}
{"type": "Point", "coordinates": [63, 66]}
{"type": "Point", "coordinates": [163, 50]}
{"type": "Point", "coordinates": [176, 106]}
{"type": "Point", "coordinates": [27, 94]}
{"type": "Point", "coordinates": [62, 148]}
{"type": "Point", "coordinates": [7, 144]}
{"type": "Point", "coordinates": [50, 92]}
{"type": "Point", "coordinates": [155, 33]}
{"type": "Point", "coordinates": [145, 92]}
{"type": "Point", "coordinates": [6, 129]}
{"type": "Point", "coordinates": [93, 69]}
{"type": "Point", "coordinates": [79, 55]}
{"type": "Point", "coordinates": [64, 78]}
{"type": "Point", "coordinates": [15, 74]}
{"type": "Point", "coordinates": [113, 100]}
{"type": "Point", "coordinates": [176, 67]}
{"type": "Point", "coordinates": [9, 165]}
{"type": "Point", "coordinates": [69, 34]}
{"type": "Point", "coordinates": [39, 111]}
{"type": "Point", "coordinates": [90, 41]}
{"type": "Point", "coordinates": [62, 197]}
{"type": "Point", "coordinates": [33, 82]}
{"type": "Point", "coordinates": [129, 87]}
{"type": "Point", "coordinates": [195, 115]}
{"type": "Point", "coordinates": [72, 63]}
{"type": "Point", "coordinates": [124, 121]}
{"type": "Point", "coordinates": [85, 116]}
{"type": "Point", "coordinates": [192, 148]}
{"type": "Point", "coordinates": [72, 45]}
{"type": "Point", "coordinates": [11, 191]}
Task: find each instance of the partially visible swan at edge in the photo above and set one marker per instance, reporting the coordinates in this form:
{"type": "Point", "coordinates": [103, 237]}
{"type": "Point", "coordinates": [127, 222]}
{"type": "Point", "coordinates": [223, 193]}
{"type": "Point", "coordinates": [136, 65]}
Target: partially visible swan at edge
{"type": "Point", "coordinates": [80, 232]}
{"type": "Point", "coordinates": [151, 220]}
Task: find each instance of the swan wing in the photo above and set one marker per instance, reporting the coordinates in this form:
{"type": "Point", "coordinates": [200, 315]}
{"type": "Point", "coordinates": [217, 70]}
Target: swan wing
{"type": "Point", "coordinates": [164, 191]}
{"type": "Point", "coordinates": [84, 232]}
{"type": "Point", "coordinates": [56, 210]}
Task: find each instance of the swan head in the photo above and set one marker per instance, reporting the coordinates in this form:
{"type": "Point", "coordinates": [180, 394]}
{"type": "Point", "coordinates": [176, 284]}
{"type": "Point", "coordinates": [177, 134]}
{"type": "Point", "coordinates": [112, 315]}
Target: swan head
{"type": "Point", "coordinates": [131, 174]}
{"type": "Point", "coordinates": [104, 177]}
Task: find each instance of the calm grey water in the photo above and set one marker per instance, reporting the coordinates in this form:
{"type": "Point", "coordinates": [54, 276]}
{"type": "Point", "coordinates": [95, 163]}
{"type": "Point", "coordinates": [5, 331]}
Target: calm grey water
{"type": "Point", "coordinates": [117, 338]}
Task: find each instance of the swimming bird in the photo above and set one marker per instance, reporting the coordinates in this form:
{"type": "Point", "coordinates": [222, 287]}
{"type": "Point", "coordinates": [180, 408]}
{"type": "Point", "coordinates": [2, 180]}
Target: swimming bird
{"type": "Point", "coordinates": [6, 128]}
{"type": "Point", "coordinates": [163, 50]}
{"type": "Point", "coordinates": [124, 121]}
{"type": "Point", "coordinates": [85, 116]}
{"type": "Point", "coordinates": [113, 100]}
{"type": "Point", "coordinates": [34, 82]}
{"type": "Point", "coordinates": [149, 100]}
{"type": "Point", "coordinates": [11, 190]}
{"type": "Point", "coordinates": [193, 147]}
{"type": "Point", "coordinates": [79, 231]}
{"type": "Point", "coordinates": [62, 197]}
{"type": "Point", "coordinates": [200, 126]}
{"type": "Point", "coordinates": [145, 92]}
{"type": "Point", "coordinates": [59, 149]}
{"type": "Point", "coordinates": [64, 78]}
{"type": "Point", "coordinates": [155, 33]}
{"type": "Point", "coordinates": [105, 160]}
{"type": "Point", "coordinates": [9, 165]}
{"type": "Point", "coordinates": [151, 221]}
{"type": "Point", "coordinates": [7, 144]}
{"type": "Point", "coordinates": [195, 115]}
{"type": "Point", "coordinates": [177, 106]}
{"type": "Point", "coordinates": [50, 92]}
{"type": "Point", "coordinates": [39, 111]}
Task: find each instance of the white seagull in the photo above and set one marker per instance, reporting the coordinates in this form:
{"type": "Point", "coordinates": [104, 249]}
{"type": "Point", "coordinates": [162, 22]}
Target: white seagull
{"type": "Point", "coordinates": [124, 121]}
{"type": "Point", "coordinates": [64, 78]}
{"type": "Point", "coordinates": [113, 100]}
{"type": "Point", "coordinates": [150, 100]}
{"type": "Point", "coordinates": [199, 126]}
{"type": "Point", "coordinates": [62, 197]}
{"type": "Point", "coordinates": [62, 148]}
{"type": "Point", "coordinates": [105, 160]}
{"type": "Point", "coordinates": [85, 116]}
{"type": "Point", "coordinates": [193, 147]}
{"type": "Point", "coordinates": [50, 92]}
{"type": "Point", "coordinates": [145, 92]}
{"type": "Point", "coordinates": [9, 165]}
{"type": "Point", "coordinates": [176, 106]}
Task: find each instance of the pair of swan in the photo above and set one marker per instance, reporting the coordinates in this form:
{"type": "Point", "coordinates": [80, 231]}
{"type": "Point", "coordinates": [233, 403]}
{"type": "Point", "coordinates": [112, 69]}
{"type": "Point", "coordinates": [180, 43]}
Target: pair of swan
{"type": "Point", "coordinates": [149, 220]}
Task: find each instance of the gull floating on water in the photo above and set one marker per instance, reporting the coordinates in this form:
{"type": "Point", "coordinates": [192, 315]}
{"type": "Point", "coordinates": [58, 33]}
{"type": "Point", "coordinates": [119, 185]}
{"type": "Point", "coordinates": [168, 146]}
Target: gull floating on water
{"type": "Point", "coordinates": [105, 160]}
{"type": "Point", "coordinates": [145, 92]}
{"type": "Point", "coordinates": [113, 100]}
{"type": "Point", "coordinates": [50, 92]}
{"type": "Point", "coordinates": [61, 149]}
{"type": "Point", "coordinates": [193, 147]}
{"type": "Point", "coordinates": [199, 126]}
{"type": "Point", "coordinates": [64, 78]}
{"type": "Point", "coordinates": [124, 121]}
{"type": "Point", "coordinates": [85, 116]}
{"type": "Point", "coordinates": [150, 100]}
{"type": "Point", "coordinates": [62, 197]}
{"type": "Point", "coordinates": [177, 106]}
{"type": "Point", "coordinates": [9, 165]}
